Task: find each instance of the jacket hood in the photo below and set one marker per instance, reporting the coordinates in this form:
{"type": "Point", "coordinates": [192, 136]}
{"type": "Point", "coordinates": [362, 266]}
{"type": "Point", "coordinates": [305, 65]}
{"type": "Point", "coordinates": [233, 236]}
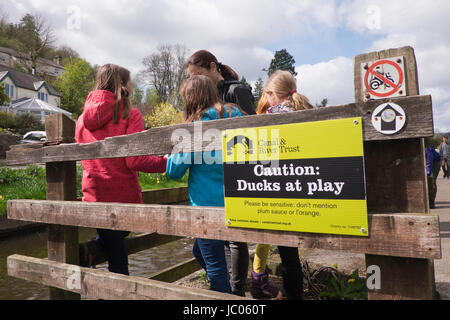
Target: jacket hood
{"type": "Point", "coordinates": [98, 109]}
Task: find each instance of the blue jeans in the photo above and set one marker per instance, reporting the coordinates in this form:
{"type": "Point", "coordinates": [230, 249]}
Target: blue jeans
{"type": "Point", "coordinates": [210, 254]}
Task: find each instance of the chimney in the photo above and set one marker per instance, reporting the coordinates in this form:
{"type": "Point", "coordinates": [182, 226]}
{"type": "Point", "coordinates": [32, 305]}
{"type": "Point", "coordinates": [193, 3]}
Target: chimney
{"type": "Point", "coordinates": [57, 60]}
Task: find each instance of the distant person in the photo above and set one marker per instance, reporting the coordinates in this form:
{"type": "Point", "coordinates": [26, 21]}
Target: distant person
{"type": "Point", "coordinates": [205, 182]}
{"type": "Point", "coordinates": [108, 113]}
{"type": "Point", "coordinates": [444, 151]}
{"type": "Point", "coordinates": [279, 96]}
{"type": "Point", "coordinates": [231, 90]}
{"type": "Point", "coordinates": [433, 160]}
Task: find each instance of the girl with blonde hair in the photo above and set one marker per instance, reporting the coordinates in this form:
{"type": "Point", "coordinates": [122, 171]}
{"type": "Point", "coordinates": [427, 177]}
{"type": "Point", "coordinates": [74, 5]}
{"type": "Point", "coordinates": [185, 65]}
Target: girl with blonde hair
{"type": "Point", "coordinates": [280, 95]}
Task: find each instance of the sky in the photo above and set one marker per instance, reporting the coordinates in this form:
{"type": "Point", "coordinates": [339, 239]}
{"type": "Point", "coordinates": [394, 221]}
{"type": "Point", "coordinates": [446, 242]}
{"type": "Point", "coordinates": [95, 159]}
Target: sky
{"type": "Point", "coordinates": [322, 35]}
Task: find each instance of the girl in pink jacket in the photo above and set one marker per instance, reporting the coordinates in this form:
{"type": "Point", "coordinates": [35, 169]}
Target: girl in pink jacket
{"type": "Point", "coordinates": [108, 113]}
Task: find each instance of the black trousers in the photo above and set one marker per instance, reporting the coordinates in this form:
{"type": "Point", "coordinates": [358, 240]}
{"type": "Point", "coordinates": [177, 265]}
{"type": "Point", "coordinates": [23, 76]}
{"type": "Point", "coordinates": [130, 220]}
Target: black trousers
{"type": "Point", "coordinates": [291, 272]}
{"type": "Point", "coordinates": [112, 242]}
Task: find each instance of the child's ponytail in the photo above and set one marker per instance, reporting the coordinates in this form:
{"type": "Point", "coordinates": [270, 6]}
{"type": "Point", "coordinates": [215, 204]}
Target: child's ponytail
{"type": "Point", "coordinates": [298, 101]}
{"type": "Point", "coordinates": [114, 78]}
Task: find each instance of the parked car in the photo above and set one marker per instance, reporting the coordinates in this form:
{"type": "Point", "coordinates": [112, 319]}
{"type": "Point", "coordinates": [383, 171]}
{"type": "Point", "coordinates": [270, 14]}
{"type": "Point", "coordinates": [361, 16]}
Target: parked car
{"type": "Point", "coordinates": [33, 137]}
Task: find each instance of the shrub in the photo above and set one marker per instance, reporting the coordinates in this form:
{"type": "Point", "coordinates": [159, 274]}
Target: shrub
{"type": "Point", "coordinates": [7, 120]}
{"type": "Point", "coordinates": [164, 114]}
{"type": "Point", "coordinates": [28, 122]}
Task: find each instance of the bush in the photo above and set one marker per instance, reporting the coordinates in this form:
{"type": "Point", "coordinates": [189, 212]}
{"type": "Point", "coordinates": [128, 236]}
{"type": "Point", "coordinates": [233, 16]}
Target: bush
{"type": "Point", "coordinates": [7, 120]}
{"type": "Point", "coordinates": [28, 122]}
{"type": "Point", "coordinates": [164, 114]}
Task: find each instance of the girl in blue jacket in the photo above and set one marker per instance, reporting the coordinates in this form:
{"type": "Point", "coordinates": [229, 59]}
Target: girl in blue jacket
{"type": "Point", "coordinates": [205, 184]}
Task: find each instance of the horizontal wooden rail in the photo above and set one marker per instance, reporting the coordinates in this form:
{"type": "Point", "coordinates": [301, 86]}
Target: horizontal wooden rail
{"type": "Point", "coordinates": [100, 284]}
{"type": "Point", "coordinates": [160, 141]}
{"type": "Point", "coordinates": [401, 235]}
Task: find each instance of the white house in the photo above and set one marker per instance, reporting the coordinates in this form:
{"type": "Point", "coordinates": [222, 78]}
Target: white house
{"type": "Point", "coordinates": [21, 85]}
{"type": "Point", "coordinates": [10, 58]}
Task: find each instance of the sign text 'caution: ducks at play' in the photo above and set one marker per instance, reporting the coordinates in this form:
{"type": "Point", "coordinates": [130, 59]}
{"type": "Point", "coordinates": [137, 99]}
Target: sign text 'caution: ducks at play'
{"type": "Point", "coordinates": [305, 177]}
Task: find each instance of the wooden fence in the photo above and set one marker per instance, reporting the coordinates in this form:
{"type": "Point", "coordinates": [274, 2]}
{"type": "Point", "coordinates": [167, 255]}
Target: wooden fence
{"type": "Point", "coordinates": [403, 237]}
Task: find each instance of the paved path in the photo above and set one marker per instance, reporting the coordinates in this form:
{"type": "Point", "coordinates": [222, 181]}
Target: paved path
{"type": "Point", "coordinates": [442, 266]}
{"type": "Point", "coordinates": [347, 262]}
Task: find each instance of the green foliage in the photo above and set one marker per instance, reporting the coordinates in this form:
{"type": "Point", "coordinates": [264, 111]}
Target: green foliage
{"type": "Point", "coordinates": [150, 181]}
{"type": "Point", "coordinates": [245, 83]}
{"type": "Point", "coordinates": [4, 99]}
{"type": "Point", "coordinates": [342, 287]}
{"type": "Point", "coordinates": [152, 97]}
{"type": "Point", "coordinates": [283, 60]}
{"type": "Point", "coordinates": [164, 114]}
{"type": "Point", "coordinates": [7, 120]}
{"type": "Point", "coordinates": [258, 90]}
{"type": "Point", "coordinates": [28, 122]}
{"type": "Point", "coordinates": [26, 183]}
{"type": "Point", "coordinates": [75, 85]}
{"type": "Point", "coordinates": [30, 183]}
{"type": "Point", "coordinates": [435, 141]}
{"type": "Point", "coordinates": [322, 104]}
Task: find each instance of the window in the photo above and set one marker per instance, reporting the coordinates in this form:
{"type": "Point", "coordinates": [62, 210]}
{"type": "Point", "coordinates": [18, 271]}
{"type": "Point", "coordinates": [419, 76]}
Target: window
{"type": "Point", "coordinates": [43, 96]}
{"type": "Point", "coordinates": [9, 90]}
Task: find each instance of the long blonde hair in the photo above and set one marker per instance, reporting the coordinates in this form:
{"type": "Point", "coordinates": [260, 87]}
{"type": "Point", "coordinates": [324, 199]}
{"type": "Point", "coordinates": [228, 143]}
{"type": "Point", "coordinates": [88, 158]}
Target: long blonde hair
{"type": "Point", "coordinates": [283, 84]}
{"type": "Point", "coordinates": [263, 104]}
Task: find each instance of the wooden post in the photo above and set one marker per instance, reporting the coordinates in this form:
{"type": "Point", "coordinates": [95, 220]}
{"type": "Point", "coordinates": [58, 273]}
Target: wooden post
{"type": "Point", "coordinates": [61, 185]}
{"type": "Point", "coordinates": [396, 182]}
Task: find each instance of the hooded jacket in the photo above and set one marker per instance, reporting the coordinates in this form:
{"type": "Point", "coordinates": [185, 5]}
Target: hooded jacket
{"type": "Point", "coordinates": [112, 180]}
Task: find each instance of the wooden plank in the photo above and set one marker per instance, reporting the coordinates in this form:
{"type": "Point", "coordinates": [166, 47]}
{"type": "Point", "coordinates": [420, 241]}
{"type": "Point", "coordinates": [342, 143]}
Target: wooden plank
{"type": "Point", "coordinates": [395, 176]}
{"type": "Point", "coordinates": [403, 278]}
{"type": "Point", "coordinates": [61, 184]}
{"type": "Point", "coordinates": [100, 284]}
{"type": "Point", "coordinates": [402, 235]}
{"type": "Point", "coordinates": [165, 196]}
{"type": "Point", "coordinates": [59, 129]}
{"type": "Point", "coordinates": [139, 243]}
{"type": "Point", "coordinates": [396, 182]}
{"type": "Point", "coordinates": [411, 76]}
{"type": "Point", "coordinates": [162, 140]}
{"type": "Point", "coordinates": [176, 272]}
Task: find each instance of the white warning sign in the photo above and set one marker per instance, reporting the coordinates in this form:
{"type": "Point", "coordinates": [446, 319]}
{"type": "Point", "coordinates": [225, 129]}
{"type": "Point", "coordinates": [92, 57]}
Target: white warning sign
{"type": "Point", "coordinates": [384, 78]}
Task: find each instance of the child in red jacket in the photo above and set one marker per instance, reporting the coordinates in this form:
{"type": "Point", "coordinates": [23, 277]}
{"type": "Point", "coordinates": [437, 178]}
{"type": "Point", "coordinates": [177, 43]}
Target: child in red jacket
{"type": "Point", "coordinates": [108, 113]}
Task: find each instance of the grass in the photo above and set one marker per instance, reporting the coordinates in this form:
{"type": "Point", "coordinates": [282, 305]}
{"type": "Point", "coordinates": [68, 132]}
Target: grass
{"type": "Point", "coordinates": [29, 183]}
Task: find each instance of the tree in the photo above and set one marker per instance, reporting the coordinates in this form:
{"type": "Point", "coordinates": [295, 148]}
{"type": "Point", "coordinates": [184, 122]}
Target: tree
{"type": "Point", "coordinates": [137, 95]}
{"type": "Point", "coordinates": [34, 35]}
{"type": "Point", "coordinates": [75, 84]}
{"type": "Point", "coordinates": [3, 96]}
{"type": "Point", "coordinates": [165, 71]}
{"type": "Point", "coordinates": [283, 60]}
{"type": "Point", "coordinates": [322, 104]}
{"type": "Point", "coordinates": [258, 90]}
{"type": "Point", "coordinates": [245, 83]}
{"type": "Point", "coordinates": [152, 97]}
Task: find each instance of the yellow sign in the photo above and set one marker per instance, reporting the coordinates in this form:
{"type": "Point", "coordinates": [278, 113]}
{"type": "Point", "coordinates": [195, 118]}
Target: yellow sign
{"type": "Point", "coordinates": [305, 177]}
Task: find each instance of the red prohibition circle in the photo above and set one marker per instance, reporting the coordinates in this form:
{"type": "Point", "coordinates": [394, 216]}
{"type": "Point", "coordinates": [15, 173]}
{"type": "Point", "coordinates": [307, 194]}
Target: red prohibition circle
{"type": "Point", "coordinates": [395, 87]}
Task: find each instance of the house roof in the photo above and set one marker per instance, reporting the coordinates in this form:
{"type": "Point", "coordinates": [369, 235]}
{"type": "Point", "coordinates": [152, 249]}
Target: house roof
{"type": "Point", "coordinates": [21, 55]}
{"type": "Point", "coordinates": [36, 104]}
{"type": "Point", "coordinates": [26, 80]}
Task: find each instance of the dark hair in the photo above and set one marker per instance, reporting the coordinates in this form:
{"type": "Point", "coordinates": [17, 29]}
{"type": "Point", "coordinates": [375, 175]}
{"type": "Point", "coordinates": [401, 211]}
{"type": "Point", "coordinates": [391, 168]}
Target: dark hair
{"type": "Point", "coordinates": [114, 78]}
{"type": "Point", "coordinates": [203, 59]}
{"type": "Point", "coordinates": [199, 94]}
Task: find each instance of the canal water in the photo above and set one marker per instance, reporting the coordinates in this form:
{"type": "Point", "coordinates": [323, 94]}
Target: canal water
{"type": "Point", "coordinates": [141, 264]}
